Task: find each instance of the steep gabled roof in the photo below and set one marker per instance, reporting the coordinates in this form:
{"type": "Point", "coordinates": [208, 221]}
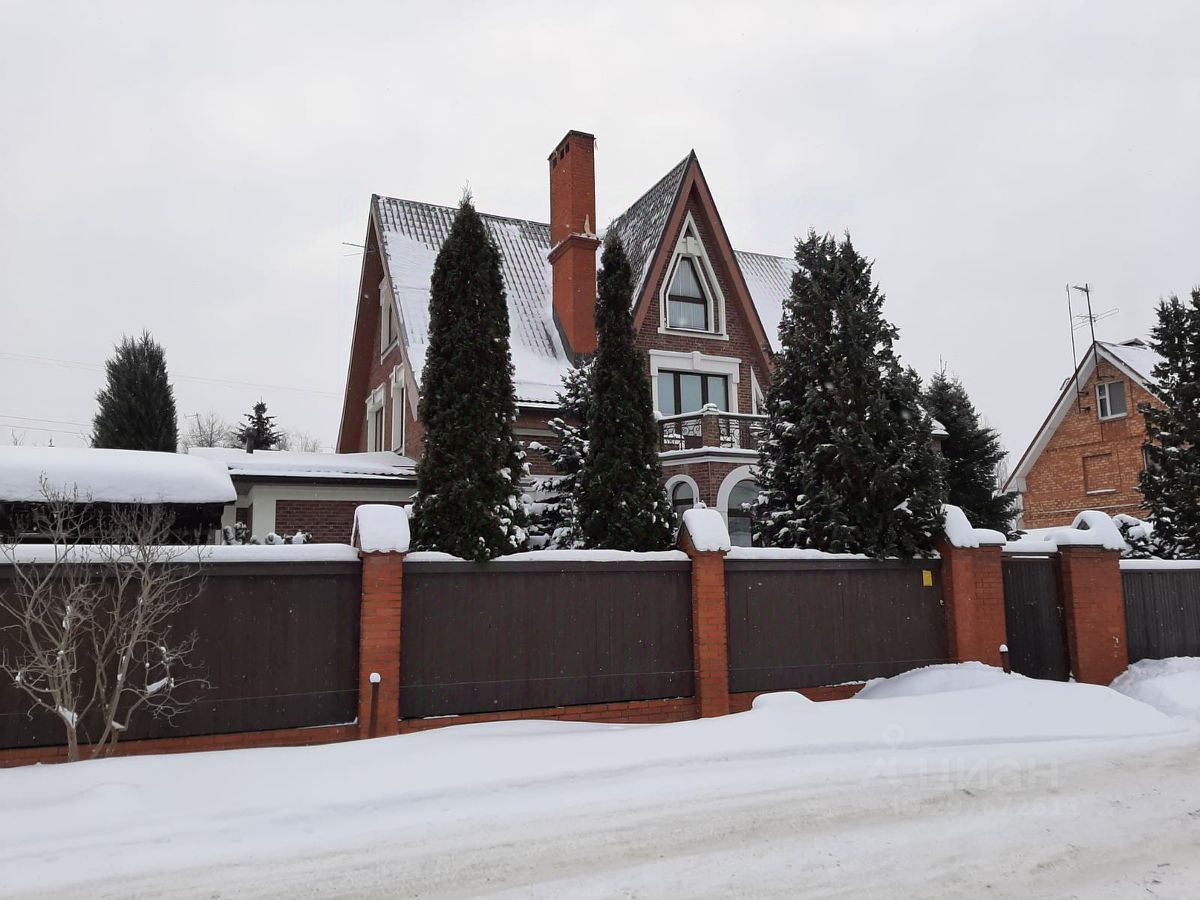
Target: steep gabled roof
{"type": "Point", "coordinates": [1132, 357]}
{"type": "Point", "coordinates": [641, 226]}
{"type": "Point", "coordinates": [412, 234]}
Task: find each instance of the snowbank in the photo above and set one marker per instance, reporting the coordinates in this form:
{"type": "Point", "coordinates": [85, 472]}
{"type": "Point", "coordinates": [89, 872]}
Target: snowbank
{"type": "Point", "coordinates": [112, 476]}
{"type": "Point", "coordinates": [223, 553]}
{"type": "Point", "coordinates": [95, 820]}
{"type": "Point", "coordinates": [1170, 685]}
{"type": "Point", "coordinates": [960, 532]}
{"type": "Point", "coordinates": [380, 528]}
{"type": "Point", "coordinates": [967, 676]}
{"type": "Point", "coordinates": [707, 530]}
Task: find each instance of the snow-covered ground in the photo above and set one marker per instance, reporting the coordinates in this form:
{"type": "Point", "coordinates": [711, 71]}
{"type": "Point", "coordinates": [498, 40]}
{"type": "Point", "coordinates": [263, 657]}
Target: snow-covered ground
{"type": "Point", "coordinates": [945, 782]}
{"type": "Point", "coordinates": [1172, 685]}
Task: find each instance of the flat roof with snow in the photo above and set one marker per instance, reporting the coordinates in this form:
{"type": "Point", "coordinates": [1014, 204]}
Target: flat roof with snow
{"type": "Point", "coordinates": [288, 464]}
{"type": "Point", "coordinates": [111, 476]}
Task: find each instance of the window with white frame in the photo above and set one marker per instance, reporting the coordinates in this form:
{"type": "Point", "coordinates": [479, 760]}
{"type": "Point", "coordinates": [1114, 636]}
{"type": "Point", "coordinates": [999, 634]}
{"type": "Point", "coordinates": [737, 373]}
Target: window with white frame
{"type": "Point", "coordinates": [1110, 399]}
{"type": "Point", "coordinates": [376, 416]}
{"type": "Point", "coordinates": [684, 392]}
{"type": "Point", "coordinates": [398, 397]}
{"type": "Point", "coordinates": [691, 300]}
{"type": "Point", "coordinates": [740, 518]}
{"type": "Point", "coordinates": [683, 497]}
{"type": "Point", "coordinates": [389, 329]}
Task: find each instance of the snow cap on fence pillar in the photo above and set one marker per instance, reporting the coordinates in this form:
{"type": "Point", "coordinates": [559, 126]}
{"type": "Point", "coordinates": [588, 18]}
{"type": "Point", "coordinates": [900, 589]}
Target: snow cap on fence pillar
{"type": "Point", "coordinates": [960, 532]}
{"type": "Point", "coordinates": [705, 530]}
{"type": "Point", "coordinates": [380, 528]}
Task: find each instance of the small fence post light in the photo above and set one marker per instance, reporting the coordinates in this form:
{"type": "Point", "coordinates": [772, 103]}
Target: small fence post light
{"type": "Point", "coordinates": [375, 679]}
{"type": "Point", "coordinates": [1004, 659]}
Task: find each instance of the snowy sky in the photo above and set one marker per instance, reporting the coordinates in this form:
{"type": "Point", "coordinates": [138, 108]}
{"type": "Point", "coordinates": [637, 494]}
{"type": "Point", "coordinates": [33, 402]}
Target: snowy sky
{"type": "Point", "coordinates": [194, 169]}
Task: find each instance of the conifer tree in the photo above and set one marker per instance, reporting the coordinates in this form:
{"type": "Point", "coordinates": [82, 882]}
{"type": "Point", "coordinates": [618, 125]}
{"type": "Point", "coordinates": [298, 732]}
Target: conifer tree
{"type": "Point", "coordinates": [468, 478]}
{"type": "Point", "coordinates": [137, 403]}
{"type": "Point", "coordinates": [971, 452]}
{"type": "Point", "coordinates": [1171, 480]}
{"type": "Point", "coordinates": [259, 432]}
{"type": "Point", "coordinates": [847, 464]}
{"type": "Point", "coordinates": [557, 522]}
{"type": "Point", "coordinates": [622, 505]}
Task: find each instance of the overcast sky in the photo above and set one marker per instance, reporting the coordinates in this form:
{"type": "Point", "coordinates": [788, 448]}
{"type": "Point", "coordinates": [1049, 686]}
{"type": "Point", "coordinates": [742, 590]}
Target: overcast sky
{"type": "Point", "coordinates": [194, 169]}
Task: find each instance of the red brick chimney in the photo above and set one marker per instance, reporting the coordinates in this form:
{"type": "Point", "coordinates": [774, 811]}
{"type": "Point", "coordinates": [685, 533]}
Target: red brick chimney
{"type": "Point", "coordinates": [573, 240]}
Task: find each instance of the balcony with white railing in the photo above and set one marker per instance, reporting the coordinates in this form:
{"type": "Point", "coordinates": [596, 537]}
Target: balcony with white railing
{"type": "Point", "coordinates": [711, 429]}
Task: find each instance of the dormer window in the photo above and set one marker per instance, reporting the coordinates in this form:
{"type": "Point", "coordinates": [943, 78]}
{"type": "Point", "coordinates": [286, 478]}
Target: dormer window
{"type": "Point", "coordinates": [690, 298]}
{"type": "Point", "coordinates": [1110, 400]}
{"type": "Point", "coordinates": [687, 306]}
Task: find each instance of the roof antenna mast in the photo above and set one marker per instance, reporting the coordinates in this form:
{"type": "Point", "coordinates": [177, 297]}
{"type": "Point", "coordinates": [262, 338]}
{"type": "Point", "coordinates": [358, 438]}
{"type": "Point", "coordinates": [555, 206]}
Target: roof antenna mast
{"type": "Point", "coordinates": [1090, 319]}
{"type": "Point", "coordinates": [1074, 355]}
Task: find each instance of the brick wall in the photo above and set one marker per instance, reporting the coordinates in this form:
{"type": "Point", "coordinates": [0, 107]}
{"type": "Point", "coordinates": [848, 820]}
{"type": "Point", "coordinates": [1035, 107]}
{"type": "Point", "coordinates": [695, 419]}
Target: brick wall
{"type": "Point", "coordinates": [1089, 464]}
{"type": "Point", "coordinates": [1094, 603]}
{"type": "Point", "coordinates": [329, 521]}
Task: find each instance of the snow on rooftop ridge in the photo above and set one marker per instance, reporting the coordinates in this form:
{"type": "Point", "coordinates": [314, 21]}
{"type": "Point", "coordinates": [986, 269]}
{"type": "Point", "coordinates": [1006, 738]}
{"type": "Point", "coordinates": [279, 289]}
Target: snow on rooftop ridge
{"type": "Point", "coordinates": [112, 476]}
{"type": "Point", "coordinates": [706, 529]}
{"type": "Point", "coordinates": [960, 532]}
{"type": "Point", "coordinates": [288, 462]}
{"type": "Point", "coordinates": [1139, 358]}
{"type": "Point", "coordinates": [380, 528]}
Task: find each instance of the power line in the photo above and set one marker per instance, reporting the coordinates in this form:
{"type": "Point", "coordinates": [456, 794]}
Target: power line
{"type": "Point", "coordinates": [77, 364]}
{"type": "Point", "coordinates": [36, 419]}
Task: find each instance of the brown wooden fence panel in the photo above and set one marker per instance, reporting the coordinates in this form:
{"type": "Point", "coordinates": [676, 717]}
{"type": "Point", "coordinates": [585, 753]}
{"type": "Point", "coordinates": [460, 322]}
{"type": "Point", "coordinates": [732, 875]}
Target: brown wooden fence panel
{"type": "Point", "coordinates": [277, 641]}
{"type": "Point", "coordinates": [506, 636]}
{"type": "Point", "coordinates": [1162, 612]}
{"type": "Point", "coordinates": [799, 623]}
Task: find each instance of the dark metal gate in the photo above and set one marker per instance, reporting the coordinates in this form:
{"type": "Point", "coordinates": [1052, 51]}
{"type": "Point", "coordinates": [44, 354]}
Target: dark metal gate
{"type": "Point", "coordinates": [1036, 623]}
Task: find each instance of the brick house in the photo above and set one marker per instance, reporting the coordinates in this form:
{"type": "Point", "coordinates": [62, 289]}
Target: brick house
{"type": "Point", "coordinates": [705, 314]}
{"type": "Point", "coordinates": [1088, 452]}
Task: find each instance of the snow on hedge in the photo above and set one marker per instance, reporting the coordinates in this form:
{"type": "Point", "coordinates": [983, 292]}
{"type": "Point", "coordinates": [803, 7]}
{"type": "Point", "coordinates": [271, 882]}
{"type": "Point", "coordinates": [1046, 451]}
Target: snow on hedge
{"type": "Point", "coordinates": [707, 530]}
{"type": "Point", "coordinates": [961, 533]}
{"type": "Point", "coordinates": [1170, 685]}
{"type": "Point", "coordinates": [223, 553]}
{"type": "Point", "coordinates": [380, 528]}
{"type": "Point", "coordinates": [561, 556]}
{"type": "Point", "coordinates": [112, 476]}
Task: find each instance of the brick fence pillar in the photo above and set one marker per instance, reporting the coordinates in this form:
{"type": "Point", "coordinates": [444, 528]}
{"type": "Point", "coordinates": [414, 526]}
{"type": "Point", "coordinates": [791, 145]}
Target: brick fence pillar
{"type": "Point", "coordinates": [379, 644]}
{"type": "Point", "coordinates": [1094, 603]}
{"type": "Point", "coordinates": [973, 593]}
{"type": "Point", "coordinates": [699, 538]}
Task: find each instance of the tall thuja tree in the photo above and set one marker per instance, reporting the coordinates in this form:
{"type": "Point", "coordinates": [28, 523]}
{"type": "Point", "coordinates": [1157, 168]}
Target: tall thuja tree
{"type": "Point", "coordinates": [971, 452]}
{"type": "Point", "coordinates": [469, 475]}
{"type": "Point", "coordinates": [622, 505]}
{"type": "Point", "coordinates": [1171, 480]}
{"type": "Point", "coordinates": [137, 403]}
{"type": "Point", "coordinates": [847, 464]}
{"type": "Point", "coordinates": [259, 432]}
{"type": "Point", "coordinates": [557, 521]}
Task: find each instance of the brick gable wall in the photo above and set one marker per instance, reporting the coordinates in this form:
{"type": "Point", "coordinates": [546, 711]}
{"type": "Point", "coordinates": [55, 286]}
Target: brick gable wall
{"type": "Point", "coordinates": [1089, 464]}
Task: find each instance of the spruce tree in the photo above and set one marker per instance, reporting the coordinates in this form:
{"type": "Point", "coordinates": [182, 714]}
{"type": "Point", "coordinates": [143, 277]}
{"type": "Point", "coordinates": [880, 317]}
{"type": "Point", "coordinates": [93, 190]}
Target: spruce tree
{"type": "Point", "coordinates": [259, 432]}
{"type": "Point", "coordinates": [1170, 482]}
{"type": "Point", "coordinates": [847, 464]}
{"type": "Point", "coordinates": [971, 452]}
{"type": "Point", "coordinates": [468, 478]}
{"type": "Point", "coordinates": [137, 402]}
{"type": "Point", "coordinates": [557, 521]}
{"type": "Point", "coordinates": [622, 505]}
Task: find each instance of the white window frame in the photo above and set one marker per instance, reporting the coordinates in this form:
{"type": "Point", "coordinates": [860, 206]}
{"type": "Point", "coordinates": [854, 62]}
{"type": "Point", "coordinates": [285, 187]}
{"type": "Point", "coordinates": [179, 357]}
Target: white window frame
{"type": "Point", "coordinates": [676, 480]}
{"type": "Point", "coordinates": [389, 327]}
{"type": "Point", "coordinates": [375, 403]}
{"type": "Point", "coordinates": [1104, 401]}
{"type": "Point", "coordinates": [690, 245]}
{"type": "Point", "coordinates": [673, 361]}
{"type": "Point", "coordinates": [399, 393]}
{"type": "Point", "coordinates": [757, 398]}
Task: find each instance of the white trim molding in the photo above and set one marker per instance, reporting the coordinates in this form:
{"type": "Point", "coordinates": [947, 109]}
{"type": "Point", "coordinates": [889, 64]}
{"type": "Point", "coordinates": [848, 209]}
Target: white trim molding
{"type": "Point", "coordinates": [741, 473]}
{"type": "Point", "coordinates": [675, 361]}
{"type": "Point", "coordinates": [399, 390]}
{"type": "Point", "coordinates": [375, 403]}
{"type": "Point", "coordinates": [689, 245]}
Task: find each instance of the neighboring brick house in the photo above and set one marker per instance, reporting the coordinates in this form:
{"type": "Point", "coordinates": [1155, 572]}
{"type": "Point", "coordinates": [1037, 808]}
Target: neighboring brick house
{"type": "Point", "coordinates": [1088, 452]}
{"type": "Point", "coordinates": [284, 492]}
{"type": "Point", "coordinates": [705, 314]}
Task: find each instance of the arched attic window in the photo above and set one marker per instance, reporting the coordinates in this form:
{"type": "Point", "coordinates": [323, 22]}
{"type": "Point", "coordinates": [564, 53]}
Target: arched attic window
{"type": "Point", "coordinates": [692, 300]}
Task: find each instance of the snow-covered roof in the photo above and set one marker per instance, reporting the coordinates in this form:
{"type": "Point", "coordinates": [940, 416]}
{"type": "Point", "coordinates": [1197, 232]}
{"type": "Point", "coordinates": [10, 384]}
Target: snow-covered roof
{"type": "Point", "coordinates": [112, 476]}
{"type": "Point", "coordinates": [285, 463]}
{"type": "Point", "coordinates": [412, 233]}
{"type": "Point", "coordinates": [1133, 357]}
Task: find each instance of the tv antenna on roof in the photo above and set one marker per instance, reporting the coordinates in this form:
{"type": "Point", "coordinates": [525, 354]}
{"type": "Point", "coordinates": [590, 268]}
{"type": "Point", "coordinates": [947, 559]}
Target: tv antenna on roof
{"type": "Point", "coordinates": [1078, 321]}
